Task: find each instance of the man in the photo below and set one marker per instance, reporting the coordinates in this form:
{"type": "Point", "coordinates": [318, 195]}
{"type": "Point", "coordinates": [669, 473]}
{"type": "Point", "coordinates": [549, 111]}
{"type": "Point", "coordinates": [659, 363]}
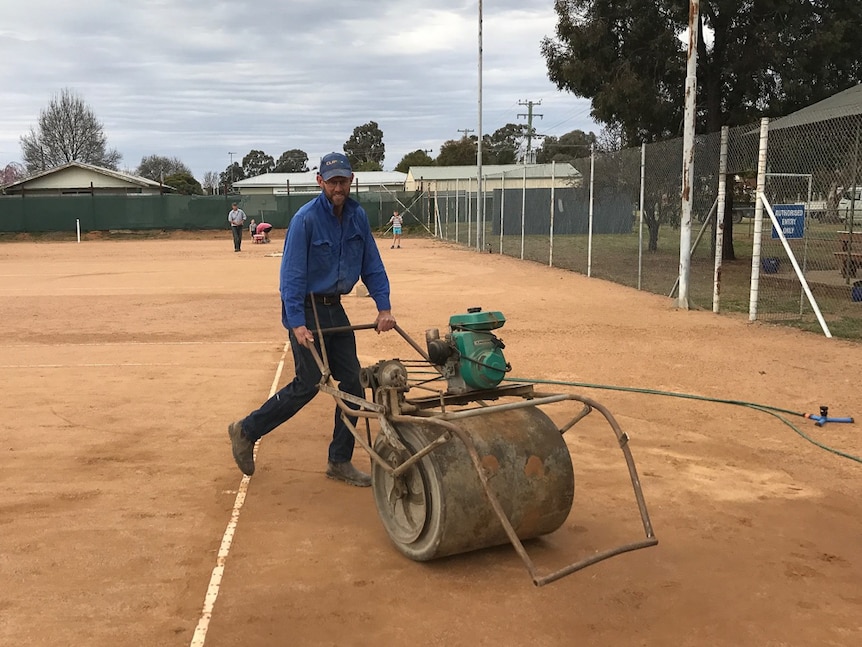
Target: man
{"type": "Point", "coordinates": [236, 218]}
{"type": "Point", "coordinates": [328, 248]}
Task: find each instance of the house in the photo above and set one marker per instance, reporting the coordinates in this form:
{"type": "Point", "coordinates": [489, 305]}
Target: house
{"type": "Point", "coordinates": [451, 179]}
{"type": "Point", "coordinates": [77, 178]}
{"type": "Point", "coordinates": [299, 183]}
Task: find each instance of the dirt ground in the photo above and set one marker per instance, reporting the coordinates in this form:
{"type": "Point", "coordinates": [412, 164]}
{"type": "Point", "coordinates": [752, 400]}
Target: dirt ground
{"type": "Point", "coordinates": [122, 362]}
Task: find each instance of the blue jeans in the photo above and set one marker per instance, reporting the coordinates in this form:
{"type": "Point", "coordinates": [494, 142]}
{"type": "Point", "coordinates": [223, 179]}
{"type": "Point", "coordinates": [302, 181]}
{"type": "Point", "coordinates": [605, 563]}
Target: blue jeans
{"type": "Point", "coordinates": [344, 365]}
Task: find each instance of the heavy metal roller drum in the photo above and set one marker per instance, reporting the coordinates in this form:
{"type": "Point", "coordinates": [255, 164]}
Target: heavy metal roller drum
{"type": "Point", "coordinates": [438, 507]}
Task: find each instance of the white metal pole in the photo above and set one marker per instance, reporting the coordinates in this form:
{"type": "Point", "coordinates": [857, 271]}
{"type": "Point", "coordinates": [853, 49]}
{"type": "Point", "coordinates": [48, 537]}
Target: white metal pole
{"type": "Point", "coordinates": [480, 193]}
{"type": "Point", "coordinates": [523, 210]}
{"type": "Point", "coordinates": [502, 207]}
{"type": "Point", "coordinates": [719, 220]}
{"type": "Point", "coordinates": [469, 211]}
{"type": "Point", "coordinates": [688, 156]}
{"type": "Point", "coordinates": [761, 198]}
{"type": "Point", "coordinates": [551, 239]}
{"type": "Point", "coordinates": [78, 228]}
{"type": "Point", "coordinates": [641, 219]}
{"type": "Point", "coordinates": [456, 210]}
{"type": "Point", "coordinates": [590, 220]}
{"type": "Point", "coordinates": [758, 221]}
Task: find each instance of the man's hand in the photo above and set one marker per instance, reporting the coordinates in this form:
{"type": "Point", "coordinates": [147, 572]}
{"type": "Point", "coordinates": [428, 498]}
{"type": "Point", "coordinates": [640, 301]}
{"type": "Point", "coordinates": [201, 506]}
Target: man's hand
{"type": "Point", "coordinates": [303, 336]}
{"type": "Point", "coordinates": [385, 321]}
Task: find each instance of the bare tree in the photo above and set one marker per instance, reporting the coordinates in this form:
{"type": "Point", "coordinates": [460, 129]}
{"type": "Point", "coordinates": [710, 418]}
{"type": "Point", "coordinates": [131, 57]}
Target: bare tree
{"type": "Point", "coordinates": [68, 131]}
{"type": "Point", "coordinates": [210, 182]}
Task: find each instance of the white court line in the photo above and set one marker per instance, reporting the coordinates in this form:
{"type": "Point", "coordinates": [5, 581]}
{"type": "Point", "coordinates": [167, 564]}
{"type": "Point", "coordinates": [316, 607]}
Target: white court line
{"type": "Point", "coordinates": [200, 634]}
{"type": "Point", "coordinates": [146, 343]}
{"type": "Point", "coordinates": [114, 365]}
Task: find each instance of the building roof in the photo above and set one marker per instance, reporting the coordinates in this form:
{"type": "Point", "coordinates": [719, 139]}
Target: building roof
{"type": "Point", "coordinates": [309, 178]}
{"type": "Point", "coordinates": [134, 180]}
{"type": "Point", "coordinates": [843, 104]}
{"type": "Point", "coordinates": [511, 170]}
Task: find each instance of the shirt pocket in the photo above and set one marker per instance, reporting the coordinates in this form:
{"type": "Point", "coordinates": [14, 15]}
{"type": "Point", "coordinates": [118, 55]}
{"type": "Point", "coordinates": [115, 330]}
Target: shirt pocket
{"type": "Point", "coordinates": [355, 246]}
{"type": "Point", "coordinates": [320, 257]}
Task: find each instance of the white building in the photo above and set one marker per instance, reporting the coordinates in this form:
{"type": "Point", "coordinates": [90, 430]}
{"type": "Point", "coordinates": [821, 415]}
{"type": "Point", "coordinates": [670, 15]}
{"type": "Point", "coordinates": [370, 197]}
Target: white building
{"type": "Point", "coordinates": [449, 179]}
{"type": "Point", "coordinates": [77, 178]}
{"type": "Point", "coordinates": [297, 183]}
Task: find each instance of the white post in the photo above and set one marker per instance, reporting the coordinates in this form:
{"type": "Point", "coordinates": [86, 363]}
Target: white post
{"type": "Point", "coordinates": [456, 210]}
{"type": "Point", "coordinates": [590, 228]}
{"type": "Point", "coordinates": [688, 155]}
{"type": "Point", "coordinates": [523, 210]}
{"type": "Point", "coordinates": [551, 239]}
{"type": "Point", "coordinates": [641, 219]}
{"type": "Point", "coordinates": [719, 220]}
{"type": "Point", "coordinates": [502, 207]}
{"type": "Point", "coordinates": [78, 228]}
{"type": "Point", "coordinates": [758, 221]}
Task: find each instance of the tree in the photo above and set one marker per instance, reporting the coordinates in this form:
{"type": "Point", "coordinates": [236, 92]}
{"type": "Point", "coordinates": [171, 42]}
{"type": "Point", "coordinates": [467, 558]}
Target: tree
{"type": "Point", "coordinates": [417, 158]}
{"type": "Point", "coordinates": [567, 148]}
{"type": "Point", "coordinates": [184, 183]}
{"type": "Point", "coordinates": [12, 172]}
{"type": "Point", "coordinates": [292, 161]}
{"type": "Point", "coordinates": [211, 182]}
{"type": "Point", "coordinates": [762, 59]}
{"type": "Point", "coordinates": [504, 144]}
{"type": "Point", "coordinates": [257, 163]}
{"type": "Point", "coordinates": [156, 167]}
{"type": "Point", "coordinates": [231, 174]}
{"type": "Point", "coordinates": [365, 145]}
{"type": "Point", "coordinates": [68, 131]}
{"type": "Point", "coordinates": [458, 152]}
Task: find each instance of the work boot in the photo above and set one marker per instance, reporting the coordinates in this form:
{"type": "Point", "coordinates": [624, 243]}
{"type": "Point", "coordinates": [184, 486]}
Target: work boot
{"type": "Point", "coordinates": [243, 448]}
{"type": "Point", "coordinates": [347, 473]}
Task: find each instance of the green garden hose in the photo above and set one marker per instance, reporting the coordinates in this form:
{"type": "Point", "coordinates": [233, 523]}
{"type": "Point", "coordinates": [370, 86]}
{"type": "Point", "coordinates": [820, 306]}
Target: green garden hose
{"type": "Point", "coordinates": [765, 408]}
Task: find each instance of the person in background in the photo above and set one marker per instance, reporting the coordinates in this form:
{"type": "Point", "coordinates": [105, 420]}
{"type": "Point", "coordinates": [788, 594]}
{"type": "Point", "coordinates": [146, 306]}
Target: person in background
{"type": "Point", "coordinates": [236, 218]}
{"type": "Point", "coordinates": [263, 229]}
{"type": "Point", "coordinates": [396, 221]}
{"type": "Point", "coordinates": [328, 248]}
{"type": "Point", "coordinates": [252, 227]}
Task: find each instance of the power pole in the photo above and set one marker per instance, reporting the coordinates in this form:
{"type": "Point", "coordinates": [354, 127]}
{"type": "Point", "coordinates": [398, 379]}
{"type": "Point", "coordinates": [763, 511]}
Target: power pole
{"type": "Point", "coordinates": [466, 131]}
{"type": "Point", "coordinates": [529, 115]}
{"type": "Point", "coordinates": [231, 153]}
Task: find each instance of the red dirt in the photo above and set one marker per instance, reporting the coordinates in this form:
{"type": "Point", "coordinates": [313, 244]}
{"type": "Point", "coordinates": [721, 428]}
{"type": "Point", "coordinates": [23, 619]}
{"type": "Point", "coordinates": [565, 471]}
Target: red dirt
{"type": "Point", "coordinates": [123, 362]}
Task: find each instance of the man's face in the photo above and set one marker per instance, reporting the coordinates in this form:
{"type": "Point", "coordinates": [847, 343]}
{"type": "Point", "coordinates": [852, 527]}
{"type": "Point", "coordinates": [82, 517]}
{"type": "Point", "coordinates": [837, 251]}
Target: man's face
{"type": "Point", "coordinates": [336, 189]}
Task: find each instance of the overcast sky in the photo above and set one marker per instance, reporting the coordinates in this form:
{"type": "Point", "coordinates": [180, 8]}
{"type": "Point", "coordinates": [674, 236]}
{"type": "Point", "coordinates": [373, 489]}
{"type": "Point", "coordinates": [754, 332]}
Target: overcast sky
{"type": "Point", "coordinates": [196, 80]}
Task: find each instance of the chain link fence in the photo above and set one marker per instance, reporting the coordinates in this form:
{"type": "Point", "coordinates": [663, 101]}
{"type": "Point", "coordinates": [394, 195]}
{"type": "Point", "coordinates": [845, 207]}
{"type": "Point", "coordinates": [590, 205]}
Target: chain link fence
{"type": "Point", "coordinates": [620, 220]}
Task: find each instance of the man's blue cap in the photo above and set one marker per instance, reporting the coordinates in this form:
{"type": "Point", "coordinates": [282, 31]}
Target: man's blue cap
{"type": "Point", "coordinates": [335, 165]}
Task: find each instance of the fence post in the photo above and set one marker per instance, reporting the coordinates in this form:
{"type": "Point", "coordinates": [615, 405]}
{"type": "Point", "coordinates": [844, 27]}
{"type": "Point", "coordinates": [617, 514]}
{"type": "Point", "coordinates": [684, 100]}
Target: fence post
{"type": "Point", "coordinates": [641, 217]}
{"type": "Point", "coordinates": [590, 220]}
{"type": "Point", "coordinates": [758, 220]}
{"type": "Point", "coordinates": [719, 219]}
{"type": "Point", "coordinates": [551, 239]}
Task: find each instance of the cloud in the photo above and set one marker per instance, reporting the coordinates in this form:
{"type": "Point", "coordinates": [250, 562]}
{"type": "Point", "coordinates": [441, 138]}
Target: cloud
{"type": "Point", "coordinates": [195, 81]}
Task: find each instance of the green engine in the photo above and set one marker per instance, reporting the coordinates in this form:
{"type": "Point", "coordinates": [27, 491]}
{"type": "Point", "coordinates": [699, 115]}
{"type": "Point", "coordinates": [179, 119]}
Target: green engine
{"type": "Point", "coordinates": [471, 356]}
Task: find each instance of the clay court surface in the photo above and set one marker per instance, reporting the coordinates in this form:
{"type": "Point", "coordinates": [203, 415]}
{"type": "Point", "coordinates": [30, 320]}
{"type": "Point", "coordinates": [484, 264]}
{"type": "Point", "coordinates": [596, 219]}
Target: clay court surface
{"type": "Point", "coordinates": [123, 361]}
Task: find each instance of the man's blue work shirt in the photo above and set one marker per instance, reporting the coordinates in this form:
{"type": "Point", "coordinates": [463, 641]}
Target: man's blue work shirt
{"type": "Point", "coordinates": [323, 255]}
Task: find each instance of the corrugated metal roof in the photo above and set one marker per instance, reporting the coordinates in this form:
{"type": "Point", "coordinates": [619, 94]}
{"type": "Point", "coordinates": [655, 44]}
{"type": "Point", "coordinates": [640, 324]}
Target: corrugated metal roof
{"type": "Point", "coordinates": [126, 177]}
{"type": "Point", "coordinates": [309, 178]}
{"type": "Point", "coordinates": [515, 170]}
{"type": "Point", "coordinates": [844, 104]}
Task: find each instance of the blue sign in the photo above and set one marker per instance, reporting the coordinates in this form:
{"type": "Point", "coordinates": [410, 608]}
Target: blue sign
{"type": "Point", "coordinates": [791, 217]}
